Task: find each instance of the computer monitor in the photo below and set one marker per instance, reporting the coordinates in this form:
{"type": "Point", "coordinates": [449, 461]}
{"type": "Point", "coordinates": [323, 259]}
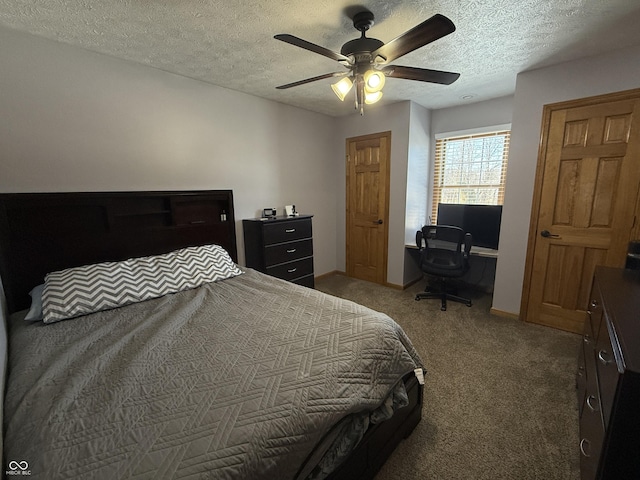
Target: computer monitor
{"type": "Point", "coordinates": [481, 221]}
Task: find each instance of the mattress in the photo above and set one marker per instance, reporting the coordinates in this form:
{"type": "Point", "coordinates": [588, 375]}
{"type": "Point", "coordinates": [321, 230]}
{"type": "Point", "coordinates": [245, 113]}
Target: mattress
{"type": "Point", "coordinates": [244, 378]}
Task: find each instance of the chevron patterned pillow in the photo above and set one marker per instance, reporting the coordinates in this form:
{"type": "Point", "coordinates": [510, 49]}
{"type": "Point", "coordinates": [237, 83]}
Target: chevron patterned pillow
{"type": "Point", "coordinates": [81, 290]}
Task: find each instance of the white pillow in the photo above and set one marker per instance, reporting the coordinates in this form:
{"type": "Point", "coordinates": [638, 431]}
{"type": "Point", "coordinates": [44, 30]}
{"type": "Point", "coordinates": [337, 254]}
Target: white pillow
{"type": "Point", "coordinates": [35, 312]}
{"type": "Point", "coordinates": [82, 290]}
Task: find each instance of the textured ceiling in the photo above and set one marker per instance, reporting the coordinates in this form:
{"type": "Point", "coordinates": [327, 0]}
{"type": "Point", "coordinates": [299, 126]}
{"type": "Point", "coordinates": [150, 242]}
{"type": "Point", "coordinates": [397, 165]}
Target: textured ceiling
{"type": "Point", "coordinates": [230, 43]}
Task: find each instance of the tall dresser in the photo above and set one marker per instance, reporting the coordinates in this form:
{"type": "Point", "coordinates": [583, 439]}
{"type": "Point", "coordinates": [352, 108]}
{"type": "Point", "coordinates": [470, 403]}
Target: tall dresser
{"type": "Point", "coordinates": [608, 378]}
{"type": "Point", "coordinates": [281, 247]}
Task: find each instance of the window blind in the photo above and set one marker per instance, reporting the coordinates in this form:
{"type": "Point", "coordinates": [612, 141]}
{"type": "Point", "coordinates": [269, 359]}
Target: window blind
{"type": "Point", "coordinates": [470, 169]}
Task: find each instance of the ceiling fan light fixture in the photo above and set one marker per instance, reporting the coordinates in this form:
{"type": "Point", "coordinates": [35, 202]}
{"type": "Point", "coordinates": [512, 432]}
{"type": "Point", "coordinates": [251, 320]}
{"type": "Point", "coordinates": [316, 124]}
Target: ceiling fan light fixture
{"type": "Point", "coordinates": [373, 81]}
{"type": "Point", "coordinates": [372, 97]}
{"type": "Point", "coordinates": [368, 59]}
{"type": "Point", "coordinates": [342, 87]}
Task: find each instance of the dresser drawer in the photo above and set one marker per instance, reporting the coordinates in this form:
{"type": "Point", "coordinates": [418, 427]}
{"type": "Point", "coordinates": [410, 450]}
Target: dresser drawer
{"type": "Point", "coordinates": [281, 247]}
{"type": "Point", "coordinates": [594, 318]}
{"type": "Point", "coordinates": [581, 378]}
{"type": "Point", "coordinates": [292, 270]}
{"type": "Point", "coordinates": [591, 434]}
{"type": "Point", "coordinates": [287, 231]}
{"type": "Point", "coordinates": [610, 412]}
{"type": "Point", "coordinates": [607, 370]}
{"type": "Point", "coordinates": [591, 427]}
{"type": "Point", "coordinates": [287, 252]}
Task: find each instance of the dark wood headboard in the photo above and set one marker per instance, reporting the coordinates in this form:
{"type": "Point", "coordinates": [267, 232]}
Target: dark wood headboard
{"type": "Point", "coordinates": [45, 232]}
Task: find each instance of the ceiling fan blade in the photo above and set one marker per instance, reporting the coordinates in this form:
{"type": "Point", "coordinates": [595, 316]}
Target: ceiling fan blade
{"type": "Point", "coordinates": [298, 42]}
{"type": "Point", "coordinates": [313, 79]}
{"type": "Point", "coordinates": [420, 74]}
{"type": "Point", "coordinates": [428, 31]}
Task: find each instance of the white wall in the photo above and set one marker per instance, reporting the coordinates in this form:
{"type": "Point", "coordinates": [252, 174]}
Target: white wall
{"type": "Point", "coordinates": [418, 185]}
{"type": "Point", "coordinates": [72, 120]}
{"type": "Point", "coordinates": [496, 111]}
{"type": "Point", "coordinates": [376, 119]}
{"type": "Point", "coordinates": [591, 76]}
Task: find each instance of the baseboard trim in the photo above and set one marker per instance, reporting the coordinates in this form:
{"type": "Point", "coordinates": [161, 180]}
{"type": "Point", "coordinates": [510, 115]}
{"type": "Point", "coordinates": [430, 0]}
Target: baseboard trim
{"type": "Point", "coordinates": [501, 313]}
{"type": "Point", "coordinates": [328, 274]}
{"type": "Point", "coordinates": [386, 284]}
{"type": "Point", "coordinates": [412, 282]}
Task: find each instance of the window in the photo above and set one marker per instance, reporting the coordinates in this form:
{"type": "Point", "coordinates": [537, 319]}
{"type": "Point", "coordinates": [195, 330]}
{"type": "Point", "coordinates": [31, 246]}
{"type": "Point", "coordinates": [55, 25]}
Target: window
{"type": "Point", "coordinates": [470, 169]}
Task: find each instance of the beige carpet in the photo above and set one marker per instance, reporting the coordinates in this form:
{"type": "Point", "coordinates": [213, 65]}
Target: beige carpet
{"type": "Point", "coordinates": [500, 400]}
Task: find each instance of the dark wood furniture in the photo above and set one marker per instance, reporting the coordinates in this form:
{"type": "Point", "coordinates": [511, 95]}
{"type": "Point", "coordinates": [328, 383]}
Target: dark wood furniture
{"type": "Point", "coordinates": [281, 247]}
{"type": "Point", "coordinates": [608, 378]}
{"type": "Point", "coordinates": [43, 232]}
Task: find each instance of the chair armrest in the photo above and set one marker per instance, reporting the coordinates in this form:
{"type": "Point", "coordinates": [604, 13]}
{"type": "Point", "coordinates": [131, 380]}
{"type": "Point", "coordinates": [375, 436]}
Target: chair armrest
{"type": "Point", "coordinates": [468, 241]}
{"type": "Point", "coordinates": [419, 238]}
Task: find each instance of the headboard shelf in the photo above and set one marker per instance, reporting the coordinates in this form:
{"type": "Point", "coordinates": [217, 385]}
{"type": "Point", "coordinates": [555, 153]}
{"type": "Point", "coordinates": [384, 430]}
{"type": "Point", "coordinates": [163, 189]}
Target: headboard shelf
{"type": "Point", "coordinates": [139, 214]}
{"type": "Point", "coordinates": [44, 232]}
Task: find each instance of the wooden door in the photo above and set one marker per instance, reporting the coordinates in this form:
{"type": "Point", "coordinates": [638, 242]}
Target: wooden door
{"type": "Point", "coordinates": [584, 206]}
{"type": "Point", "coordinates": [368, 206]}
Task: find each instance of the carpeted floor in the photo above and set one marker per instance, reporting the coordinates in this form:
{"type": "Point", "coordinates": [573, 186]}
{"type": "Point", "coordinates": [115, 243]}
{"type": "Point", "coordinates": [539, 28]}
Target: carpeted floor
{"type": "Point", "coordinates": [500, 400]}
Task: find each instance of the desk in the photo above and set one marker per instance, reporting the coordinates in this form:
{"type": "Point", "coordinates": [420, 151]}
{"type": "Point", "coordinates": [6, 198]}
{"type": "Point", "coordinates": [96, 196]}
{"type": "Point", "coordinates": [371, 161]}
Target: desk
{"type": "Point", "coordinates": [484, 252]}
{"type": "Point", "coordinates": [478, 251]}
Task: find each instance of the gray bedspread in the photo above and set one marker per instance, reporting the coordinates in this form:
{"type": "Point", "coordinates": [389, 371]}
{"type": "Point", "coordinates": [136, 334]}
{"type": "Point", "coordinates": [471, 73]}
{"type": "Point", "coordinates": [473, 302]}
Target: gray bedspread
{"type": "Point", "coordinates": [239, 379]}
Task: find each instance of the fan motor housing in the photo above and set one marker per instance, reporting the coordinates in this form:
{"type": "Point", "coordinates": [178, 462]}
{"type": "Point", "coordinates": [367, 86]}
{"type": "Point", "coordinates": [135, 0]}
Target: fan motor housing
{"type": "Point", "coordinates": [363, 20]}
{"type": "Point", "coordinates": [361, 45]}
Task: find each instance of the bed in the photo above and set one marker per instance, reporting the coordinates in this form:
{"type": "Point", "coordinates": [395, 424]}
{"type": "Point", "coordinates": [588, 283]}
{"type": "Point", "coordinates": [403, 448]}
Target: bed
{"type": "Point", "coordinates": [218, 372]}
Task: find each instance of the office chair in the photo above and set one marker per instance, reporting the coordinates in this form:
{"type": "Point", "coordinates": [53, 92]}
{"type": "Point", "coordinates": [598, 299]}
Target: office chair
{"type": "Point", "coordinates": [442, 256]}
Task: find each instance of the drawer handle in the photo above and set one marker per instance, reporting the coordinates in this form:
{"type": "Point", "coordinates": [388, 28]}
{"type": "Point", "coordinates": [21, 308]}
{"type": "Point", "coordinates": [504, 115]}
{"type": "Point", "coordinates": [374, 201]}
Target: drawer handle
{"type": "Point", "coordinates": [586, 338]}
{"type": "Point", "coordinates": [292, 270]}
{"type": "Point", "coordinates": [293, 250]}
{"type": "Point", "coordinates": [594, 303]}
{"type": "Point", "coordinates": [585, 445]}
{"type": "Point", "coordinates": [603, 356]}
{"type": "Point", "coordinates": [590, 399]}
{"type": "Point", "coordinates": [290, 230]}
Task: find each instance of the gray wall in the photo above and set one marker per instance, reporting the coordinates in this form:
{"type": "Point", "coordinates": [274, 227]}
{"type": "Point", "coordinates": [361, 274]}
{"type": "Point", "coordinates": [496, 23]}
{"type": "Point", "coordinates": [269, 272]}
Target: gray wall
{"type": "Point", "coordinates": [418, 186]}
{"type": "Point", "coordinates": [496, 111]}
{"type": "Point", "coordinates": [72, 120]}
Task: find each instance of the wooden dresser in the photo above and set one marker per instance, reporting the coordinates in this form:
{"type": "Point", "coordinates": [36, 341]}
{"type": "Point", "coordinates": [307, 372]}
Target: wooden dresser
{"type": "Point", "coordinates": [281, 247]}
{"type": "Point", "coordinates": [608, 378]}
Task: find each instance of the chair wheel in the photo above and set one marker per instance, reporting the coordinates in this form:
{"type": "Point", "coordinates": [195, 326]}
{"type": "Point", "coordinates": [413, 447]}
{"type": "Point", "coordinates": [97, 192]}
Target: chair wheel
{"type": "Point", "coordinates": [417, 298]}
{"type": "Point", "coordinates": [444, 309]}
{"type": "Point", "coordinates": [468, 304]}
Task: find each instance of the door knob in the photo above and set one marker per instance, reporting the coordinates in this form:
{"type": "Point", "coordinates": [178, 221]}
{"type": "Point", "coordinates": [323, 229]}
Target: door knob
{"type": "Point", "coordinates": [548, 234]}
{"type": "Point", "coordinates": [379, 222]}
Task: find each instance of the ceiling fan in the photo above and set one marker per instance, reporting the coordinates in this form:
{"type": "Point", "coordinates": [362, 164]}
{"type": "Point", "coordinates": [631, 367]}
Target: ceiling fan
{"type": "Point", "coordinates": [367, 59]}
